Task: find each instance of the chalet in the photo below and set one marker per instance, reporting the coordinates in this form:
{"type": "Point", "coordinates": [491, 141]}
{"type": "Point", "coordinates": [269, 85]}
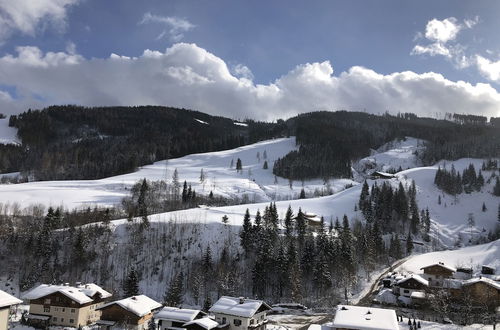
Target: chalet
{"type": "Point", "coordinates": [174, 318]}
{"type": "Point", "coordinates": [6, 301]}
{"type": "Point", "coordinates": [482, 291]}
{"type": "Point", "coordinates": [64, 305]}
{"type": "Point", "coordinates": [132, 313]}
{"type": "Point", "coordinates": [410, 284]}
{"type": "Point", "coordinates": [364, 318]}
{"type": "Point", "coordinates": [436, 273]}
{"type": "Point", "coordinates": [463, 273]}
{"type": "Point", "coordinates": [487, 270]}
{"type": "Point", "coordinates": [381, 175]}
{"type": "Point", "coordinates": [240, 313]}
{"type": "Point", "coordinates": [312, 220]}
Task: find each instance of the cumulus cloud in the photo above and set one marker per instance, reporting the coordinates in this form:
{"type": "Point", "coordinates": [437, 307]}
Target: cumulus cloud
{"type": "Point", "coordinates": [175, 26]}
{"type": "Point", "coordinates": [28, 16]}
{"type": "Point", "coordinates": [489, 69]}
{"type": "Point", "coordinates": [188, 76]}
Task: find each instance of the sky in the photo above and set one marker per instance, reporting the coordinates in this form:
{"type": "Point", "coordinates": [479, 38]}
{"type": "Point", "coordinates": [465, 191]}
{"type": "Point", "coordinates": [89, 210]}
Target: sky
{"type": "Point", "coordinates": [253, 59]}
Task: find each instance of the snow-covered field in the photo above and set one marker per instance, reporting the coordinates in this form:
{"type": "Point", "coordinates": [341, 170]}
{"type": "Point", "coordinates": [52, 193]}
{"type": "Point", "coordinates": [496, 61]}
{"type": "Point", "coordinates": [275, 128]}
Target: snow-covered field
{"type": "Point", "coordinates": [472, 256]}
{"type": "Point", "coordinates": [8, 135]}
{"type": "Point", "coordinates": [254, 182]}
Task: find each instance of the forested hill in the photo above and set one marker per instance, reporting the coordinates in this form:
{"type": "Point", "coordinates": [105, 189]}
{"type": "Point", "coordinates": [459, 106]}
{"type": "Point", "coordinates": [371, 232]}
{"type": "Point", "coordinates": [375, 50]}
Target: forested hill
{"type": "Point", "coordinates": [71, 142]}
{"type": "Point", "coordinates": [329, 141]}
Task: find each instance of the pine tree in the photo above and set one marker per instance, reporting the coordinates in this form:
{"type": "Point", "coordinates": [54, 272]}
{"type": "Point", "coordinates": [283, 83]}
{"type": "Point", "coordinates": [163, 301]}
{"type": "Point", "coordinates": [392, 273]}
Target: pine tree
{"type": "Point", "coordinates": [302, 194]}
{"type": "Point", "coordinates": [496, 188]}
{"type": "Point", "coordinates": [131, 284]}
{"type": "Point", "coordinates": [265, 166]}
{"type": "Point", "coordinates": [239, 165]}
{"type": "Point", "coordinates": [173, 296]}
{"type": "Point", "coordinates": [300, 227]}
{"type": "Point", "coordinates": [207, 304]}
{"type": "Point", "coordinates": [246, 233]}
{"type": "Point", "coordinates": [483, 208]}
{"type": "Point", "coordinates": [202, 176]}
{"type": "Point", "coordinates": [289, 223]}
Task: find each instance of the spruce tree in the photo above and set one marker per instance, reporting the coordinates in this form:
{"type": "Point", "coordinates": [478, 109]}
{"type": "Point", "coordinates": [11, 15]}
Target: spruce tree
{"type": "Point", "coordinates": [246, 233]}
{"type": "Point", "coordinates": [289, 223]}
{"type": "Point", "coordinates": [173, 296]}
{"type": "Point", "coordinates": [131, 284]}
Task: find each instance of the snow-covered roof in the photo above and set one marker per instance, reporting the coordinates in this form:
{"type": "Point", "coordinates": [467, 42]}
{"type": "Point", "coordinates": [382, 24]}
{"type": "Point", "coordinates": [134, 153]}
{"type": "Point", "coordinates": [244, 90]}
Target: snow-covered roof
{"type": "Point", "coordinates": [485, 280]}
{"type": "Point", "coordinates": [82, 294]}
{"type": "Point", "coordinates": [8, 300]}
{"type": "Point", "coordinates": [416, 277]}
{"type": "Point", "coordinates": [139, 305]}
{"type": "Point", "coordinates": [365, 318]}
{"type": "Point", "coordinates": [204, 322]}
{"type": "Point", "coordinates": [177, 314]}
{"type": "Point", "coordinates": [442, 265]}
{"type": "Point", "coordinates": [417, 295]}
{"type": "Point", "coordinates": [237, 306]}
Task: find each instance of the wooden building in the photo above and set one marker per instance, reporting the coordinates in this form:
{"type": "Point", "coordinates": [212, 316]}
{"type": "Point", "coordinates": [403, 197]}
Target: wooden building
{"type": "Point", "coordinates": [64, 305]}
{"type": "Point", "coordinates": [174, 318]}
{"type": "Point", "coordinates": [240, 313]}
{"type": "Point", "coordinates": [132, 313]}
{"type": "Point", "coordinates": [437, 273]}
{"type": "Point", "coordinates": [410, 284]}
{"type": "Point", "coordinates": [6, 302]}
{"type": "Point", "coordinates": [482, 291]}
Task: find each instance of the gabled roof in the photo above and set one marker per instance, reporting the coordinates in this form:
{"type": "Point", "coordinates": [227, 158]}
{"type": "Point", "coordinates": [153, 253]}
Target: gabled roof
{"type": "Point", "coordinates": [8, 300]}
{"type": "Point", "coordinates": [415, 277]}
{"type": "Point", "coordinates": [485, 280]}
{"type": "Point", "coordinates": [139, 305]}
{"type": "Point", "coordinates": [79, 294]}
{"type": "Point", "coordinates": [204, 322]}
{"type": "Point", "coordinates": [365, 318]}
{"type": "Point", "coordinates": [233, 306]}
{"type": "Point", "coordinates": [442, 265]}
{"type": "Point", "coordinates": [178, 314]}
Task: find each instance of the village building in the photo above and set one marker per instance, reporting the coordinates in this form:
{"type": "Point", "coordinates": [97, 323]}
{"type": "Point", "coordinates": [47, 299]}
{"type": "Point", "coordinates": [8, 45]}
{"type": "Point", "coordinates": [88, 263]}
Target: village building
{"type": "Point", "coordinates": [437, 273]}
{"type": "Point", "coordinates": [240, 313]}
{"type": "Point", "coordinates": [482, 291]}
{"type": "Point", "coordinates": [174, 318]}
{"type": "Point", "coordinates": [205, 323]}
{"type": "Point", "coordinates": [6, 301]}
{"type": "Point", "coordinates": [381, 175]}
{"type": "Point", "coordinates": [364, 318]}
{"type": "Point", "coordinates": [409, 285]}
{"type": "Point", "coordinates": [64, 305]}
{"type": "Point", "coordinates": [487, 270]}
{"type": "Point", "coordinates": [463, 273]}
{"type": "Point", "coordinates": [133, 313]}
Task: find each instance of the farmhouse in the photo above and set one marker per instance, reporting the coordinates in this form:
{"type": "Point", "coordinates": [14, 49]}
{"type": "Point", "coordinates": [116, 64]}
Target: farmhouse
{"type": "Point", "coordinates": [64, 305]}
{"type": "Point", "coordinates": [131, 313]}
{"type": "Point", "coordinates": [436, 273]}
{"type": "Point", "coordinates": [240, 313]}
{"type": "Point", "coordinates": [364, 318]}
{"type": "Point", "coordinates": [381, 175]}
{"type": "Point", "coordinates": [173, 317]}
{"type": "Point", "coordinates": [6, 301]}
{"type": "Point", "coordinates": [408, 285]}
{"type": "Point", "coordinates": [482, 291]}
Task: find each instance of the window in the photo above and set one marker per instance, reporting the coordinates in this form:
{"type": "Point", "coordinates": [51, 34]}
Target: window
{"type": "Point", "coordinates": [62, 319]}
{"type": "Point", "coordinates": [56, 309]}
{"type": "Point", "coordinates": [407, 291]}
{"type": "Point", "coordinates": [72, 310]}
{"type": "Point", "coordinates": [46, 309]}
{"type": "Point", "coordinates": [251, 321]}
{"type": "Point", "coordinates": [223, 320]}
{"type": "Point", "coordinates": [237, 322]}
{"type": "Point", "coordinates": [54, 319]}
{"type": "Point", "coordinates": [47, 302]}
{"type": "Point", "coordinates": [71, 321]}
{"type": "Point", "coordinates": [63, 310]}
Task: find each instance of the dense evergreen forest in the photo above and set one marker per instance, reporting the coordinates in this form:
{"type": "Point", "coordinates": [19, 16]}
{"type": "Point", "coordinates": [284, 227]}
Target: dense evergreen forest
{"type": "Point", "coordinates": [71, 142]}
{"type": "Point", "coordinates": [329, 141]}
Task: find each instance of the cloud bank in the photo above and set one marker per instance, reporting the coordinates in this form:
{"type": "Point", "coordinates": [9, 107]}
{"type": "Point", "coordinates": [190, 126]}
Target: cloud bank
{"type": "Point", "coordinates": [188, 76]}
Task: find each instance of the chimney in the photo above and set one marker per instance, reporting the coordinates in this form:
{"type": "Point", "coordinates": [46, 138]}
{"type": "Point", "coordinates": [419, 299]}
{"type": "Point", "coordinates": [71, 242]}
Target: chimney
{"type": "Point", "coordinates": [242, 300]}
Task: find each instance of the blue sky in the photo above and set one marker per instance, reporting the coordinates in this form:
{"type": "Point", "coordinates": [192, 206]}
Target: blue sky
{"type": "Point", "coordinates": [278, 55]}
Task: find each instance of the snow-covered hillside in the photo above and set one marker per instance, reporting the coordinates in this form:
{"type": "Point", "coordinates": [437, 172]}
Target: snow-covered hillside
{"type": "Point", "coordinates": [392, 156]}
{"type": "Point", "coordinates": [472, 256]}
{"type": "Point", "coordinates": [8, 135]}
{"type": "Point", "coordinates": [254, 182]}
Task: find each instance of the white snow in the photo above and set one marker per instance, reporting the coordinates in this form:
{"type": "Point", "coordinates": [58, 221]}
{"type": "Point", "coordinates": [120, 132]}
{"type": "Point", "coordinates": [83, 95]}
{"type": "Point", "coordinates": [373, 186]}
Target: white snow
{"type": "Point", "coordinates": [8, 135]}
{"type": "Point", "coordinates": [473, 256]}
{"type": "Point", "coordinates": [204, 322]}
{"type": "Point", "coordinates": [441, 264]}
{"type": "Point", "coordinates": [201, 121]}
{"type": "Point", "coordinates": [8, 300]}
{"type": "Point", "coordinates": [240, 124]}
{"type": "Point", "coordinates": [139, 305]}
{"type": "Point", "coordinates": [254, 183]}
{"type": "Point", "coordinates": [232, 306]}
{"type": "Point", "coordinates": [78, 294]}
{"type": "Point", "coordinates": [177, 314]}
{"type": "Point", "coordinates": [365, 318]}
{"type": "Point", "coordinates": [416, 277]}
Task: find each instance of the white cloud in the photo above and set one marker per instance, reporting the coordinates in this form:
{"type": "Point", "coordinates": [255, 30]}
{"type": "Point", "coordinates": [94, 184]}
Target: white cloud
{"type": "Point", "coordinates": [442, 31]}
{"type": "Point", "coordinates": [176, 26]}
{"type": "Point", "coordinates": [489, 69]}
{"type": "Point", "coordinates": [28, 16]}
{"type": "Point", "coordinates": [188, 76]}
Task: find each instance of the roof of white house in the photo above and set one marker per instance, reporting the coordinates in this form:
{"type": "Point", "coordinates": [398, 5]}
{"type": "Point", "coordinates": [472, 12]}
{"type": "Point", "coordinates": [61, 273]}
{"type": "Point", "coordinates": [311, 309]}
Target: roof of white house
{"type": "Point", "coordinates": [79, 294]}
{"type": "Point", "coordinates": [485, 280]}
{"type": "Point", "coordinates": [204, 322]}
{"type": "Point", "coordinates": [178, 314]}
{"type": "Point", "coordinates": [365, 318]}
{"type": "Point", "coordinates": [139, 305]}
{"type": "Point", "coordinates": [237, 306]}
{"type": "Point", "coordinates": [8, 300]}
{"type": "Point", "coordinates": [441, 264]}
{"type": "Point", "coordinates": [416, 277]}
